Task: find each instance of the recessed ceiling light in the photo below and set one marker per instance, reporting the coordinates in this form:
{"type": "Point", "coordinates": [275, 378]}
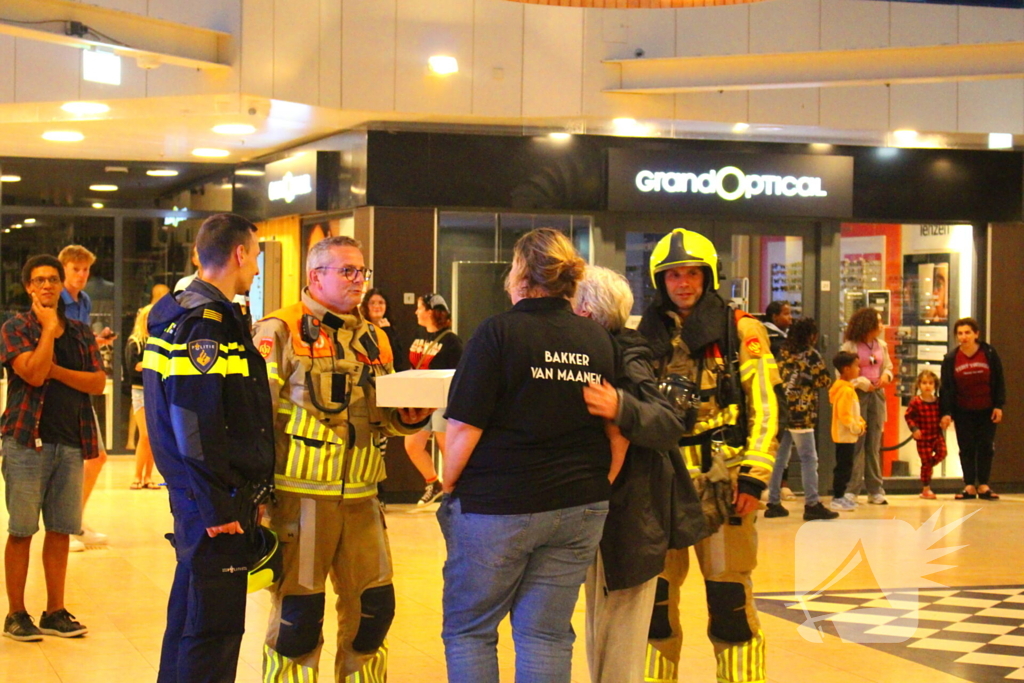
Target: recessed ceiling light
{"type": "Point", "coordinates": [162, 172]}
{"type": "Point", "coordinates": [103, 188]}
{"type": "Point", "coordinates": [1000, 141]}
{"type": "Point", "coordinates": [623, 122]}
{"type": "Point", "coordinates": [209, 152]}
{"type": "Point", "coordinates": [63, 136]}
{"type": "Point", "coordinates": [29, 221]}
{"type": "Point", "coordinates": [85, 108]}
{"type": "Point", "coordinates": [443, 65]}
{"type": "Point", "coordinates": [10, 178]}
{"type": "Point", "coordinates": [101, 67]}
{"type": "Point", "coordinates": [250, 171]}
{"type": "Point", "coordinates": [234, 129]}
{"type": "Point", "coordinates": [97, 205]}
{"type": "Point", "coordinates": [559, 136]}
{"type": "Point", "coordinates": [740, 127]}
{"type": "Point", "coordinates": [16, 226]}
{"type": "Point", "coordinates": [904, 137]}
{"type": "Point", "coordinates": [7, 229]}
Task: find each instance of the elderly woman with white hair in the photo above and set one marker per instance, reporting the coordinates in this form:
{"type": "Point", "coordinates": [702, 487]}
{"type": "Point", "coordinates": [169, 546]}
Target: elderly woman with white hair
{"type": "Point", "coordinates": [653, 505]}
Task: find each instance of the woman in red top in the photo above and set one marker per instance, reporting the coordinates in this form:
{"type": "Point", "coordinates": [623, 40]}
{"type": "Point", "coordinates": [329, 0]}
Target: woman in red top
{"type": "Point", "coordinates": [972, 397]}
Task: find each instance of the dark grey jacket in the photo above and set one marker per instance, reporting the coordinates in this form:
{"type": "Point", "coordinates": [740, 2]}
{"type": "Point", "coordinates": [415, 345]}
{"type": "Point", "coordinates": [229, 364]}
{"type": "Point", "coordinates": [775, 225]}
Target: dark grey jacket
{"type": "Point", "coordinates": [654, 505]}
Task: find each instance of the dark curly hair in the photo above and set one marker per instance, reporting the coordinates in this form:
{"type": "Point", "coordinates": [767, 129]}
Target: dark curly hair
{"type": "Point", "coordinates": [800, 334]}
{"type": "Point", "coordinates": [861, 324]}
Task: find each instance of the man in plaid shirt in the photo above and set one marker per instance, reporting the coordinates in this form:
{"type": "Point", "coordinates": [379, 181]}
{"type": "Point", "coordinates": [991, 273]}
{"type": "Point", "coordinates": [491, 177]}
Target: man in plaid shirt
{"type": "Point", "coordinates": [48, 430]}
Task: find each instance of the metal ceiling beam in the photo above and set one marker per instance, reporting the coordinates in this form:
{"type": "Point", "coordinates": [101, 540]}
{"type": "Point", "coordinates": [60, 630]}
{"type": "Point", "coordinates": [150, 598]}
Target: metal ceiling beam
{"type": "Point", "coordinates": [826, 68]}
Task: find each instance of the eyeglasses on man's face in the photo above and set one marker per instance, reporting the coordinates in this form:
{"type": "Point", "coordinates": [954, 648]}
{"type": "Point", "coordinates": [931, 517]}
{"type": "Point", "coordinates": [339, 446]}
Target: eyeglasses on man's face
{"type": "Point", "coordinates": [40, 281]}
{"type": "Point", "coordinates": [350, 273]}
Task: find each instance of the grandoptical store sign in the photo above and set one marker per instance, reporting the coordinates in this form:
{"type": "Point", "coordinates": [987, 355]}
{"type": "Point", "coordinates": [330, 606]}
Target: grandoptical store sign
{"type": "Point", "coordinates": [731, 183]}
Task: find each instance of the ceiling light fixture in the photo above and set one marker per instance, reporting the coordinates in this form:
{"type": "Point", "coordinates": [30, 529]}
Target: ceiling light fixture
{"type": "Point", "coordinates": [740, 127]}
{"type": "Point", "coordinates": [161, 172]}
{"type": "Point", "coordinates": [16, 226]}
{"type": "Point", "coordinates": [559, 136]}
{"type": "Point", "coordinates": [103, 188]}
{"type": "Point", "coordinates": [250, 171]}
{"type": "Point", "coordinates": [904, 136]}
{"type": "Point", "coordinates": [10, 178]}
{"type": "Point", "coordinates": [97, 205]}
{"type": "Point", "coordinates": [29, 221]}
{"type": "Point", "coordinates": [623, 122]}
{"type": "Point", "coordinates": [1000, 141]}
{"type": "Point", "coordinates": [234, 129]}
{"type": "Point", "coordinates": [63, 136]}
{"type": "Point", "coordinates": [101, 67]}
{"type": "Point", "coordinates": [85, 108]}
{"type": "Point", "coordinates": [443, 65]}
{"type": "Point", "coordinates": [209, 152]}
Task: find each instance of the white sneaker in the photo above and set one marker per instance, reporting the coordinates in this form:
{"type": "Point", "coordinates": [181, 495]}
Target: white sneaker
{"type": "Point", "coordinates": [75, 546]}
{"type": "Point", "coordinates": [89, 538]}
{"type": "Point", "coordinates": [852, 497]}
{"type": "Point", "coordinates": [877, 499]}
{"type": "Point", "coordinates": [842, 505]}
{"type": "Point", "coordinates": [787, 493]}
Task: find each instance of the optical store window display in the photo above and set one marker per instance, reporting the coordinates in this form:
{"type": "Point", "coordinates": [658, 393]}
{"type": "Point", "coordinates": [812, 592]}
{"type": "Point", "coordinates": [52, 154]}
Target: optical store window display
{"type": "Point", "coordinates": [920, 278]}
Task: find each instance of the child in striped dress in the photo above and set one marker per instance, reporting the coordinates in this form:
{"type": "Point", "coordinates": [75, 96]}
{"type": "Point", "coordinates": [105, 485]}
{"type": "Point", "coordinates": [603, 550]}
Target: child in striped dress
{"type": "Point", "coordinates": [923, 419]}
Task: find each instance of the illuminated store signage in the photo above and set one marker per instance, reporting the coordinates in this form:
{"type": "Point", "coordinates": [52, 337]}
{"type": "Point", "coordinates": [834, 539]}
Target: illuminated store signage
{"type": "Point", "coordinates": [289, 187]}
{"type": "Point", "coordinates": [730, 183]}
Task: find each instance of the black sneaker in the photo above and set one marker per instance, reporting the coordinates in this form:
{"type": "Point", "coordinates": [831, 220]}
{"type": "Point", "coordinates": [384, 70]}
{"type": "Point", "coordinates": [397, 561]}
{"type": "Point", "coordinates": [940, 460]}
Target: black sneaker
{"type": "Point", "coordinates": [818, 511]}
{"type": "Point", "coordinates": [19, 626]}
{"type": "Point", "coordinates": [432, 493]}
{"type": "Point", "coordinates": [776, 510]}
{"type": "Point", "coordinates": [61, 624]}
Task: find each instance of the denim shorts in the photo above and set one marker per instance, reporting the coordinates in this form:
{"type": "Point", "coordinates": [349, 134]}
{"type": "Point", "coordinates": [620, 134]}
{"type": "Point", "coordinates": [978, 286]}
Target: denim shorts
{"type": "Point", "coordinates": [138, 399]}
{"type": "Point", "coordinates": [49, 480]}
{"type": "Point", "coordinates": [437, 423]}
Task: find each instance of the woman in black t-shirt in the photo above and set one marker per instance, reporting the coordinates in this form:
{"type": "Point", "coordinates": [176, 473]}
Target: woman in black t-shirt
{"type": "Point", "coordinates": [436, 347]}
{"type": "Point", "coordinates": [528, 471]}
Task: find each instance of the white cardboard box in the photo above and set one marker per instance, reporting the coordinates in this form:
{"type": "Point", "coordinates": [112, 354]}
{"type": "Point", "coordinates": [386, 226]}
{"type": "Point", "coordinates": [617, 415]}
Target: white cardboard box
{"type": "Point", "coordinates": [414, 389]}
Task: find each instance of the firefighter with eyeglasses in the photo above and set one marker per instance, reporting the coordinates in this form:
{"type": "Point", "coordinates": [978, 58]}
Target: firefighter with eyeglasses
{"type": "Point", "coordinates": [715, 366]}
{"type": "Point", "coordinates": [322, 362]}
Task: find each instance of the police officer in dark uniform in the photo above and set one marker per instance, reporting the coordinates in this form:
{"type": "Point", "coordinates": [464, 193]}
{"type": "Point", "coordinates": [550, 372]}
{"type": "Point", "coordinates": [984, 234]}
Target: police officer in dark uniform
{"type": "Point", "coordinates": [211, 426]}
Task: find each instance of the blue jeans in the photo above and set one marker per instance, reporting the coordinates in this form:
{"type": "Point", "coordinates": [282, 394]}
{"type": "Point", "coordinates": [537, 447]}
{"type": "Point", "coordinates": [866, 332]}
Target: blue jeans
{"type": "Point", "coordinates": [531, 565]}
{"type": "Point", "coordinates": [808, 453]}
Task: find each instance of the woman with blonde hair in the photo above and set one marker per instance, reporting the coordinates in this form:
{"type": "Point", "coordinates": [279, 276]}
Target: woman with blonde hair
{"type": "Point", "coordinates": [528, 471]}
{"type": "Point", "coordinates": [133, 352]}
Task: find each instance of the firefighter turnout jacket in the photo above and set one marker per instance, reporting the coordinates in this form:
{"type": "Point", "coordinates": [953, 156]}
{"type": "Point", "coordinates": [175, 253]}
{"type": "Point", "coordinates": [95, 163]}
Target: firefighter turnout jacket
{"type": "Point", "coordinates": [208, 404]}
{"type": "Point", "coordinates": [329, 430]}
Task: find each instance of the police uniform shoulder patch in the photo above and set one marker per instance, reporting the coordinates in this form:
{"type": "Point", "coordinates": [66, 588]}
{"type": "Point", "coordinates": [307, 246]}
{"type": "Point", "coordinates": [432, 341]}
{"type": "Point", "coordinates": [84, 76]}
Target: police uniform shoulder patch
{"type": "Point", "coordinates": [754, 347]}
{"type": "Point", "coordinates": [265, 346]}
{"type": "Point", "coordinates": [211, 314]}
{"type": "Point", "coordinates": [203, 354]}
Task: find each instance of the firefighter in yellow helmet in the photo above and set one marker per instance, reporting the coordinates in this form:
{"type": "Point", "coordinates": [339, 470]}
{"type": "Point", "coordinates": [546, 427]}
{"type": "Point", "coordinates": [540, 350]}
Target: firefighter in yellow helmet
{"type": "Point", "coordinates": [715, 365]}
{"type": "Point", "coordinates": [322, 360]}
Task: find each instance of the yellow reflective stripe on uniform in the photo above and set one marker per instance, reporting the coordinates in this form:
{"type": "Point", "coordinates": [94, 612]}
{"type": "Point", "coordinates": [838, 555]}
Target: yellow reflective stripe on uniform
{"type": "Point", "coordinates": [762, 459]}
{"type": "Point", "coordinates": [279, 669]}
{"type": "Point", "coordinates": [375, 670]}
{"type": "Point", "coordinates": [272, 372]}
{"type": "Point", "coordinates": [727, 416]}
{"type": "Point", "coordinates": [657, 668]}
{"type": "Point", "coordinates": [764, 411]}
{"type": "Point", "coordinates": [166, 365]}
{"type": "Point", "coordinates": [743, 662]}
{"type": "Point", "coordinates": [332, 489]}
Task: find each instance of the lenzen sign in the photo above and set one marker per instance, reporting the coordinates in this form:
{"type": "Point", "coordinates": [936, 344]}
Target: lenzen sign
{"type": "Point", "coordinates": [714, 182]}
{"type": "Point", "coordinates": [289, 187]}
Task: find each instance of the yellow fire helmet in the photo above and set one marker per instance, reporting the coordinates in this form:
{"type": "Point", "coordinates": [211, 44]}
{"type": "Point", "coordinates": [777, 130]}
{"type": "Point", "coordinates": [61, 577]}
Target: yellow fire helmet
{"type": "Point", "coordinates": [269, 565]}
{"type": "Point", "coordinates": [683, 247]}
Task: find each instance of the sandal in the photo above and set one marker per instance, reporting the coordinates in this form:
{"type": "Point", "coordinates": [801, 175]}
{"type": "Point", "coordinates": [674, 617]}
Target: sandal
{"type": "Point", "coordinates": [963, 495]}
{"type": "Point", "coordinates": [928, 496]}
{"type": "Point", "coordinates": [151, 485]}
{"type": "Point", "coordinates": [989, 495]}
{"type": "Point", "coordinates": [136, 485]}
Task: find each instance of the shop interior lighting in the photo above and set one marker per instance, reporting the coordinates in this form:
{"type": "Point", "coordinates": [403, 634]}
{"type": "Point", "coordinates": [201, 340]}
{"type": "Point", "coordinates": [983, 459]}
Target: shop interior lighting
{"type": "Point", "coordinates": [209, 152]}
{"type": "Point", "coordinates": [63, 136]}
{"type": "Point", "coordinates": [29, 221]}
{"type": "Point", "coordinates": [16, 226]}
{"type": "Point", "coordinates": [101, 67]}
{"type": "Point", "coordinates": [624, 123]}
{"type": "Point", "coordinates": [161, 172]}
{"type": "Point", "coordinates": [740, 127]}
{"type": "Point", "coordinates": [97, 205]}
{"type": "Point", "coordinates": [1000, 141]}
{"type": "Point", "coordinates": [10, 178]}
{"type": "Point", "coordinates": [561, 137]}
{"type": "Point", "coordinates": [85, 108]}
{"type": "Point", "coordinates": [234, 129]}
{"type": "Point", "coordinates": [7, 230]}
{"type": "Point", "coordinates": [103, 188]}
{"type": "Point", "coordinates": [250, 172]}
{"type": "Point", "coordinates": [904, 137]}
{"type": "Point", "coordinates": [443, 65]}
